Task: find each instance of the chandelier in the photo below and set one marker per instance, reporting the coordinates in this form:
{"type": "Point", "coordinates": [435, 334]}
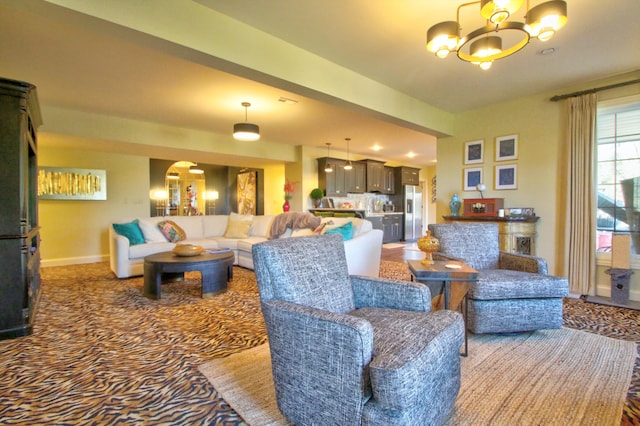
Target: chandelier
{"type": "Point", "coordinates": [484, 45]}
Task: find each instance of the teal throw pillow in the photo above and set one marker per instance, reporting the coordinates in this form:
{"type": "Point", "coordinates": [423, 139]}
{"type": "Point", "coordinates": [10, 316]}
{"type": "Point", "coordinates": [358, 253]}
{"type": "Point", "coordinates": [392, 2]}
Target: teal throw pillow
{"type": "Point", "coordinates": [130, 230]}
{"type": "Point", "coordinates": [345, 230]}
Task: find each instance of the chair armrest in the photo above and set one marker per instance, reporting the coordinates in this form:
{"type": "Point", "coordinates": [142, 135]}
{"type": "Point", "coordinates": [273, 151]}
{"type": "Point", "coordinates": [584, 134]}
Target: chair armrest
{"type": "Point", "coordinates": [392, 294]}
{"type": "Point", "coordinates": [316, 330]}
{"type": "Point", "coordinates": [522, 262]}
{"type": "Point", "coordinates": [317, 355]}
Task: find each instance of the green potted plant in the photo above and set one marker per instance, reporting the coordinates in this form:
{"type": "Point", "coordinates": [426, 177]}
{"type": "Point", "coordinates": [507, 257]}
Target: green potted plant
{"type": "Point", "coordinates": [316, 195]}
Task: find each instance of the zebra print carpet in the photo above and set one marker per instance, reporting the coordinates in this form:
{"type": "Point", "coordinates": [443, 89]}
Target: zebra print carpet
{"type": "Point", "coordinates": [101, 353]}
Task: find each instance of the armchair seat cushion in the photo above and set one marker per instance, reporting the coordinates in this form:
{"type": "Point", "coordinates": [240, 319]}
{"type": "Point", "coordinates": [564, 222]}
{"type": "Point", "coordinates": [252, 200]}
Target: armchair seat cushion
{"type": "Point", "coordinates": [500, 284]}
{"type": "Point", "coordinates": [406, 346]}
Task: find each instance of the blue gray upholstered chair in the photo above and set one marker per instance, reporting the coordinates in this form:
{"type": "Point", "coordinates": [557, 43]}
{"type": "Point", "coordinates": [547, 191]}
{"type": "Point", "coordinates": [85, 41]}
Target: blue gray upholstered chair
{"type": "Point", "coordinates": [349, 350]}
{"type": "Point", "coordinates": [513, 292]}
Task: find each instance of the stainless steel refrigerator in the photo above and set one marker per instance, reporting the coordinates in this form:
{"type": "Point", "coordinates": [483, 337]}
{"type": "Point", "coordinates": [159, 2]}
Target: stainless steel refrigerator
{"type": "Point", "coordinates": [412, 201]}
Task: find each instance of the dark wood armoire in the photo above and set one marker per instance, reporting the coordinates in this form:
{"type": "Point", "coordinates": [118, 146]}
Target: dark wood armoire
{"type": "Point", "coordinates": [19, 230]}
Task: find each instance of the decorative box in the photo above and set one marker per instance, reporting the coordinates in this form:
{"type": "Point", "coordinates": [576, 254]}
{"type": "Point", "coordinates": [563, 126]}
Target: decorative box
{"type": "Point", "coordinates": [482, 206]}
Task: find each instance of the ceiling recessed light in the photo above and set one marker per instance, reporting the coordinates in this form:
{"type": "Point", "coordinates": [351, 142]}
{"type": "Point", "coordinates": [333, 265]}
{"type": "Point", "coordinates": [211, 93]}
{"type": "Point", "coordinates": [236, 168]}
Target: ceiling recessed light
{"type": "Point", "coordinates": [411, 154]}
{"type": "Point", "coordinates": [548, 51]}
{"type": "Point", "coordinates": [376, 147]}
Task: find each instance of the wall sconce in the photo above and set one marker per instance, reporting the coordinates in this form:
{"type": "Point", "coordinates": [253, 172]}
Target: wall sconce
{"type": "Point", "coordinates": [161, 196]}
{"type": "Point", "coordinates": [211, 197]}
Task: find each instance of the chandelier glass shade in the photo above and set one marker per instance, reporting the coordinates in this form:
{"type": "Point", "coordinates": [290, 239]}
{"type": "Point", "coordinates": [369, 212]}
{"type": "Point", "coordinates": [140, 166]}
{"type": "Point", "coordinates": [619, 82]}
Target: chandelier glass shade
{"type": "Point", "coordinates": [485, 44]}
{"type": "Point", "coordinates": [246, 131]}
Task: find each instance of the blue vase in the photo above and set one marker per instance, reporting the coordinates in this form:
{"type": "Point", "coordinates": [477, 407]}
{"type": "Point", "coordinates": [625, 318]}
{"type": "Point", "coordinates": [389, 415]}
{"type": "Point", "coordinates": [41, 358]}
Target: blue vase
{"type": "Point", "coordinates": [454, 205]}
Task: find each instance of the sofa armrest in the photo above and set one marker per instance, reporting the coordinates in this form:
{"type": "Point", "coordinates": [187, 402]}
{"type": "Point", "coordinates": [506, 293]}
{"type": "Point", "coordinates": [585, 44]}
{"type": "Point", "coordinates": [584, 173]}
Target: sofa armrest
{"type": "Point", "coordinates": [522, 262]}
{"type": "Point", "coordinates": [118, 253]}
{"type": "Point", "coordinates": [391, 294]}
{"type": "Point", "coordinates": [363, 253]}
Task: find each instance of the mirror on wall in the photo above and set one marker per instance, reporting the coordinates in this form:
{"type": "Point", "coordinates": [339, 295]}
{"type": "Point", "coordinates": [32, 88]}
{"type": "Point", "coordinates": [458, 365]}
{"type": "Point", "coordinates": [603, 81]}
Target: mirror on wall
{"type": "Point", "coordinates": [186, 184]}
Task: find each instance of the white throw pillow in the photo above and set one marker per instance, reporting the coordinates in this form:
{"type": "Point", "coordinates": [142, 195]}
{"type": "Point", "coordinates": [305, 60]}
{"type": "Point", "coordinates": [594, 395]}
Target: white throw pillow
{"type": "Point", "coordinates": [151, 232]}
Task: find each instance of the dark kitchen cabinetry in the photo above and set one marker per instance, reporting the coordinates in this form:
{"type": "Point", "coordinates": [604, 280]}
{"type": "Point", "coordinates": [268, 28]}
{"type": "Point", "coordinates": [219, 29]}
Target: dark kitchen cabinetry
{"type": "Point", "coordinates": [19, 230]}
{"type": "Point", "coordinates": [379, 177]}
{"type": "Point", "coordinates": [388, 181]}
{"type": "Point", "coordinates": [376, 222]}
{"type": "Point", "coordinates": [340, 182]}
{"type": "Point", "coordinates": [332, 183]}
{"type": "Point", "coordinates": [406, 176]}
{"type": "Point", "coordinates": [375, 175]}
{"type": "Point", "coordinates": [356, 178]}
{"type": "Point", "coordinates": [392, 228]}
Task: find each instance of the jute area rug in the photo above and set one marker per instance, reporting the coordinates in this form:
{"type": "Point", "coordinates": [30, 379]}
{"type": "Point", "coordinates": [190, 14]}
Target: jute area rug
{"type": "Point", "coordinates": [547, 377]}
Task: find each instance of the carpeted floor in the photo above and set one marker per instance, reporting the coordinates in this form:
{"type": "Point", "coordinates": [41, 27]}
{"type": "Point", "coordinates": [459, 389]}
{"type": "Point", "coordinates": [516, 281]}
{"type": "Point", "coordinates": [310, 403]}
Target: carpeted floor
{"type": "Point", "coordinates": [101, 353]}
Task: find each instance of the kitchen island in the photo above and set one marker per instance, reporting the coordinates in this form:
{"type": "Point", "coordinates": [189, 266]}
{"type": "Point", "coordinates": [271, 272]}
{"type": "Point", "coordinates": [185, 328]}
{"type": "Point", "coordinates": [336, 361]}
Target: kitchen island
{"type": "Point", "coordinates": [390, 223]}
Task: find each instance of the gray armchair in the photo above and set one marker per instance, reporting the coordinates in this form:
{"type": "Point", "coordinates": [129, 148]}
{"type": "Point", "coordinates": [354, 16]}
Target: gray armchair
{"type": "Point", "coordinates": [349, 350]}
{"type": "Point", "coordinates": [513, 292]}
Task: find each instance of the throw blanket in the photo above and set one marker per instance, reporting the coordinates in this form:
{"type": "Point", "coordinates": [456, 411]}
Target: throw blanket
{"type": "Point", "coordinates": [293, 220]}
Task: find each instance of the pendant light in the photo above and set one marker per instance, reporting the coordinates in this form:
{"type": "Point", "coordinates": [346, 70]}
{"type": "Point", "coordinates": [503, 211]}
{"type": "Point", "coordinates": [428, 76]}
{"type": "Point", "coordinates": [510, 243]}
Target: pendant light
{"type": "Point", "coordinates": [246, 131]}
{"type": "Point", "coordinates": [194, 169]}
{"type": "Point", "coordinates": [348, 166]}
{"type": "Point", "coordinates": [328, 168]}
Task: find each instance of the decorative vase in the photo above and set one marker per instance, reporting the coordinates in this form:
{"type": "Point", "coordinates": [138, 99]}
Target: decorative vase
{"type": "Point", "coordinates": [428, 245]}
{"type": "Point", "coordinates": [286, 207]}
{"type": "Point", "coordinates": [454, 205]}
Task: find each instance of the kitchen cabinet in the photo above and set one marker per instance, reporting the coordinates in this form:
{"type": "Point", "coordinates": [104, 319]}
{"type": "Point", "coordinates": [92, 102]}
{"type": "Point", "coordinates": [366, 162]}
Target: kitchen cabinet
{"type": "Point", "coordinates": [340, 182]}
{"type": "Point", "coordinates": [388, 181]}
{"type": "Point", "coordinates": [376, 222]}
{"type": "Point", "coordinates": [375, 175]}
{"type": "Point", "coordinates": [391, 228]}
{"type": "Point", "coordinates": [406, 176]}
{"type": "Point", "coordinates": [332, 183]}
{"type": "Point", "coordinates": [356, 179]}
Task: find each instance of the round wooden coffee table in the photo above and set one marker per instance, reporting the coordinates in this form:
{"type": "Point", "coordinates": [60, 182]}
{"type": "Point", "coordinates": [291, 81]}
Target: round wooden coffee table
{"type": "Point", "coordinates": [216, 270]}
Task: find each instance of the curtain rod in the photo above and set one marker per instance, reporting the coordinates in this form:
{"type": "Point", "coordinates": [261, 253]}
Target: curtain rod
{"type": "Point", "coordinates": [594, 90]}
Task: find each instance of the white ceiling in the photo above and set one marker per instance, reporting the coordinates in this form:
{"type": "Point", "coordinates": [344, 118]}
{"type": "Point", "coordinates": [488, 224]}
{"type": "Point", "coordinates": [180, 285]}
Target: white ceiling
{"type": "Point", "coordinates": [79, 65]}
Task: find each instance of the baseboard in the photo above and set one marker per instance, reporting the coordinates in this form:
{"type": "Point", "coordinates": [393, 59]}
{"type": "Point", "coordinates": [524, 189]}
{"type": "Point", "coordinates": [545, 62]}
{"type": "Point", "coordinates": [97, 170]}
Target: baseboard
{"type": "Point", "coordinates": [73, 260]}
{"type": "Point", "coordinates": [607, 301]}
{"type": "Point", "coordinates": [605, 291]}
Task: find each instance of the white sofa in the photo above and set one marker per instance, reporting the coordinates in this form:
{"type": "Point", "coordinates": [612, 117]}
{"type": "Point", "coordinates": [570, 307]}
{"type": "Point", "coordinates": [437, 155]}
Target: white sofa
{"type": "Point", "coordinates": [363, 250]}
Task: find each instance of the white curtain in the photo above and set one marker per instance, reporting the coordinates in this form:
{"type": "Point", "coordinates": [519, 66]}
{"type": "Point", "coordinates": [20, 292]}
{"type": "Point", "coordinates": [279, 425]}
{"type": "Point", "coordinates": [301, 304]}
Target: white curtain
{"type": "Point", "coordinates": [581, 195]}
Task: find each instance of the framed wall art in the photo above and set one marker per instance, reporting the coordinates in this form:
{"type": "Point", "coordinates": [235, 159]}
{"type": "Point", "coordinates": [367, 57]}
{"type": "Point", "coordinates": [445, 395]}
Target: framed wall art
{"type": "Point", "coordinates": [474, 152]}
{"type": "Point", "coordinates": [506, 177]}
{"type": "Point", "coordinates": [61, 183]}
{"type": "Point", "coordinates": [247, 192]}
{"type": "Point", "coordinates": [472, 176]}
{"type": "Point", "coordinates": [507, 148]}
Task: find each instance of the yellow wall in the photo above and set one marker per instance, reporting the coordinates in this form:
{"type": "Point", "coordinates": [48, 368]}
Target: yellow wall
{"type": "Point", "coordinates": [76, 231]}
{"type": "Point", "coordinates": [540, 164]}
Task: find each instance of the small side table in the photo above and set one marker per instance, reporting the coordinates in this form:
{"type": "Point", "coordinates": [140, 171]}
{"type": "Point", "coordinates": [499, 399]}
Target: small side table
{"type": "Point", "coordinates": [439, 278]}
{"type": "Point", "coordinates": [216, 269]}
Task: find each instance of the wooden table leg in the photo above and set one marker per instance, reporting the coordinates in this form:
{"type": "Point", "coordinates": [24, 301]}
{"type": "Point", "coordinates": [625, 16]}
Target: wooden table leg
{"type": "Point", "coordinates": [152, 281]}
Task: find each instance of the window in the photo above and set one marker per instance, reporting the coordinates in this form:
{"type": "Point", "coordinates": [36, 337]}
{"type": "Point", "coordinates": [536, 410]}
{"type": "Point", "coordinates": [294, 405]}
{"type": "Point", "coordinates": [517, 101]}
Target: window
{"type": "Point", "coordinates": [618, 180]}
